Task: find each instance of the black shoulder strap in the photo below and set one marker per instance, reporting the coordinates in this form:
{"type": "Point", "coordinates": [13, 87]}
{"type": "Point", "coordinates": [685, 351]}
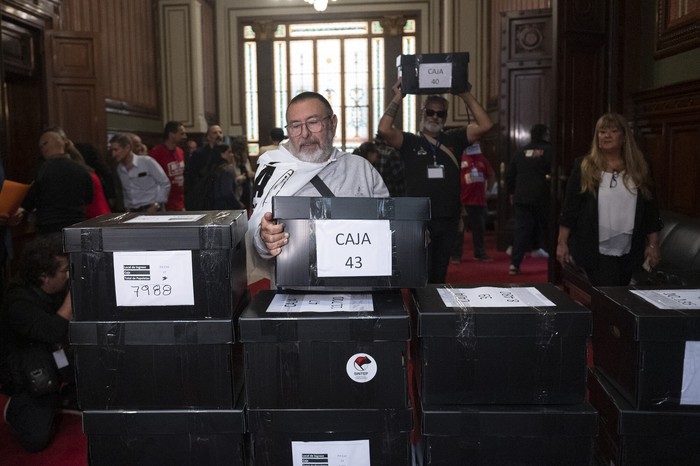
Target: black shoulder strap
{"type": "Point", "coordinates": [321, 187]}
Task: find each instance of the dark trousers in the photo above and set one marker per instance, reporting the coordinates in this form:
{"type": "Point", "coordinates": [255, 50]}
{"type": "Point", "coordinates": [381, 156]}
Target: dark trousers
{"type": "Point", "coordinates": [33, 419]}
{"type": "Point", "coordinates": [611, 271]}
{"type": "Point", "coordinates": [530, 230]}
{"type": "Point", "coordinates": [442, 236]}
{"type": "Point", "coordinates": [476, 221]}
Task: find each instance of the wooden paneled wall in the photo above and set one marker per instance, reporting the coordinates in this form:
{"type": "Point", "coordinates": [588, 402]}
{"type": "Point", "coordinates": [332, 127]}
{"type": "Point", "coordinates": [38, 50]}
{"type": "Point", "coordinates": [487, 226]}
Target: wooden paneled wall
{"type": "Point", "coordinates": [130, 59]}
{"type": "Point", "coordinates": [668, 124]}
{"type": "Point", "coordinates": [496, 8]}
{"type": "Point", "coordinates": [208, 61]}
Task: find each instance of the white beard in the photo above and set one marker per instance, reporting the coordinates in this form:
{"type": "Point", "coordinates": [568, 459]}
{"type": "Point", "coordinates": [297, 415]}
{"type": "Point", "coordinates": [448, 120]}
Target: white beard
{"type": "Point", "coordinates": [314, 154]}
{"type": "Point", "coordinates": [432, 127]}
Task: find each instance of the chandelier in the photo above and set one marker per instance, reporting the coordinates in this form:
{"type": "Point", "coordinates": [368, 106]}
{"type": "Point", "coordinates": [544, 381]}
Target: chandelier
{"type": "Point", "coordinates": [319, 5]}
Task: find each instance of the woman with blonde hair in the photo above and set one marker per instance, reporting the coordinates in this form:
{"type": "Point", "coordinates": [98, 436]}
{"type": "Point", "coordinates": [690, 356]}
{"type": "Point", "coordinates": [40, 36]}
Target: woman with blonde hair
{"type": "Point", "coordinates": [609, 222]}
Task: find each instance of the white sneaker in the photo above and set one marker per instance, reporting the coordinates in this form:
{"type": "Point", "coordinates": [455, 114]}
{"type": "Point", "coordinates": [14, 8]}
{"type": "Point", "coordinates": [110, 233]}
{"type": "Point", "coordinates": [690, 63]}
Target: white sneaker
{"type": "Point", "coordinates": [539, 253]}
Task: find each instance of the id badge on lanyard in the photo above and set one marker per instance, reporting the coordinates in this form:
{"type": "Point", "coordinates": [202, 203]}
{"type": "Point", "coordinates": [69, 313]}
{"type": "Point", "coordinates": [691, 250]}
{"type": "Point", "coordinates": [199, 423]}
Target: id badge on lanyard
{"type": "Point", "coordinates": [434, 171]}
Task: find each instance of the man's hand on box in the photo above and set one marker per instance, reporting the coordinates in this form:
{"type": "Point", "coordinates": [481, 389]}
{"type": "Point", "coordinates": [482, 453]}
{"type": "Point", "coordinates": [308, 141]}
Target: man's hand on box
{"type": "Point", "coordinates": [397, 89]}
{"type": "Point", "coordinates": [466, 91]}
{"type": "Point", "coordinates": [273, 234]}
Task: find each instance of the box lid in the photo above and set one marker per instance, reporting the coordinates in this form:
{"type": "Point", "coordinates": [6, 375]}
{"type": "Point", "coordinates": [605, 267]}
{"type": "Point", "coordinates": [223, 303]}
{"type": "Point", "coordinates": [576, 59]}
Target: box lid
{"type": "Point", "coordinates": [194, 332]}
{"type": "Point", "coordinates": [631, 421]}
{"type": "Point", "coordinates": [165, 422]}
{"type": "Point", "coordinates": [651, 322]}
{"type": "Point", "coordinates": [301, 421]}
{"type": "Point", "coordinates": [388, 321]}
{"type": "Point", "coordinates": [351, 208]}
{"type": "Point", "coordinates": [510, 420]}
{"type": "Point", "coordinates": [165, 231]}
{"type": "Point", "coordinates": [435, 319]}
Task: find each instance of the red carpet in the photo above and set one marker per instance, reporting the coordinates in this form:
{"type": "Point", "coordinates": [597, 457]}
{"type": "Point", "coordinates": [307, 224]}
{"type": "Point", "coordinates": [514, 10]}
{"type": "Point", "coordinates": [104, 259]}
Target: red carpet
{"type": "Point", "coordinates": [470, 271]}
{"type": "Point", "coordinates": [69, 447]}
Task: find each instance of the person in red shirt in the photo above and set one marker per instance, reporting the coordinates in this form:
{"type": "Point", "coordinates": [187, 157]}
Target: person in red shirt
{"type": "Point", "coordinates": [478, 178]}
{"type": "Point", "coordinates": [171, 158]}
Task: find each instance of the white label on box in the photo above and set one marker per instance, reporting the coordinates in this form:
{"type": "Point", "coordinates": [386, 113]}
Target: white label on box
{"type": "Point", "coordinates": [353, 248]}
{"type": "Point", "coordinates": [671, 299]}
{"type": "Point", "coordinates": [488, 296]}
{"type": "Point", "coordinates": [690, 389]}
{"type": "Point", "coordinates": [164, 218]}
{"type": "Point", "coordinates": [321, 303]}
{"type": "Point", "coordinates": [153, 278]}
{"type": "Point", "coordinates": [435, 75]}
{"type": "Point", "coordinates": [334, 453]}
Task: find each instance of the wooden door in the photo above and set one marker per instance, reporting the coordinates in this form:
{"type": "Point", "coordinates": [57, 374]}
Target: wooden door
{"type": "Point", "coordinates": [526, 94]}
{"type": "Point", "coordinates": [74, 86]}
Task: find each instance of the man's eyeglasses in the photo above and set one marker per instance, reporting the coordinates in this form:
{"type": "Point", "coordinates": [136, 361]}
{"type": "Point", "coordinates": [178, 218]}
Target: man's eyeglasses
{"type": "Point", "coordinates": [613, 180]}
{"type": "Point", "coordinates": [314, 125]}
{"type": "Point", "coordinates": [440, 113]}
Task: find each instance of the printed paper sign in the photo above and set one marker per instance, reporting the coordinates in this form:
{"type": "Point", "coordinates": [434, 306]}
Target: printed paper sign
{"type": "Point", "coordinates": [153, 278]}
{"type": "Point", "coordinates": [690, 388]}
{"type": "Point", "coordinates": [353, 248]}
{"type": "Point", "coordinates": [164, 218]}
{"type": "Point", "coordinates": [488, 296]}
{"type": "Point", "coordinates": [434, 75]}
{"type": "Point", "coordinates": [321, 303]}
{"type": "Point", "coordinates": [337, 453]}
{"type": "Point", "coordinates": [671, 299]}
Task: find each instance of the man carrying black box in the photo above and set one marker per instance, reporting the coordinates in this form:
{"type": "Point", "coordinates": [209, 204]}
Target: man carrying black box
{"type": "Point", "coordinates": [306, 165]}
{"type": "Point", "coordinates": [431, 160]}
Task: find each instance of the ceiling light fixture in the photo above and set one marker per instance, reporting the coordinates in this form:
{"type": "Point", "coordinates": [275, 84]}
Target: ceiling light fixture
{"type": "Point", "coordinates": [319, 5]}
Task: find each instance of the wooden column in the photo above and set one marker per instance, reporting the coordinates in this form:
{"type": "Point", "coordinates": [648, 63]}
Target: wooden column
{"type": "Point", "coordinates": [264, 35]}
{"type": "Point", "coordinates": [393, 30]}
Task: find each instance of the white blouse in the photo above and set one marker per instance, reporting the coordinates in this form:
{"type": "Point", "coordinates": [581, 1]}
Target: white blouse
{"type": "Point", "coordinates": [617, 205]}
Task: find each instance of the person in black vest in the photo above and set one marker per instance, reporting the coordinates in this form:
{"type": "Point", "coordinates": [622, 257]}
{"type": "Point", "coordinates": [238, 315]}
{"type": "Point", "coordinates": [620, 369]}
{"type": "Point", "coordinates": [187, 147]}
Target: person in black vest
{"type": "Point", "coordinates": [34, 328]}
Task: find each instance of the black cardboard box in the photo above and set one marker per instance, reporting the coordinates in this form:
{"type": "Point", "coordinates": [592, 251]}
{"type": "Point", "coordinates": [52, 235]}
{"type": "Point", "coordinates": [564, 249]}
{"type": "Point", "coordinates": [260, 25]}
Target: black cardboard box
{"type": "Point", "coordinates": [200, 437]}
{"type": "Point", "coordinates": [641, 437]}
{"type": "Point", "coordinates": [345, 263]}
{"type": "Point", "coordinates": [169, 266]}
{"type": "Point", "coordinates": [434, 73]}
{"type": "Point", "coordinates": [487, 435]}
{"type": "Point", "coordinates": [500, 355]}
{"type": "Point", "coordinates": [301, 360]}
{"type": "Point", "coordinates": [641, 348]}
{"type": "Point", "coordinates": [273, 433]}
{"type": "Point", "coordinates": [156, 365]}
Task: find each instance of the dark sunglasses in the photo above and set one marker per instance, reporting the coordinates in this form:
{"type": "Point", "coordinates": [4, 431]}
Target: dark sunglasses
{"type": "Point", "coordinates": [440, 113]}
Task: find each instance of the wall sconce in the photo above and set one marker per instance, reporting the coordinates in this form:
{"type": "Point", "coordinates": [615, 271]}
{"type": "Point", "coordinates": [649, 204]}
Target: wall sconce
{"type": "Point", "coordinates": [319, 5]}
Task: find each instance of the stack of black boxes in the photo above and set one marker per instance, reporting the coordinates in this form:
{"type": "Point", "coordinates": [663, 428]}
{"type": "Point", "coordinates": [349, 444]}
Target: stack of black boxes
{"type": "Point", "coordinates": [646, 381]}
{"type": "Point", "coordinates": [326, 354]}
{"type": "Point", "coordinates": [158, 369]}
{"type": "Point", "coordinates": [503, 384]}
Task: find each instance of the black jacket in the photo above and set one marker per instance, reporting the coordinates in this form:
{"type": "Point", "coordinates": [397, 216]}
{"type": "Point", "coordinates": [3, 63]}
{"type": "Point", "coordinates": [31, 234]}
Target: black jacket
{"type": "Point", "coordinates": [580, 214]}
{"type": "Point", "coordinates": [28, 317]}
